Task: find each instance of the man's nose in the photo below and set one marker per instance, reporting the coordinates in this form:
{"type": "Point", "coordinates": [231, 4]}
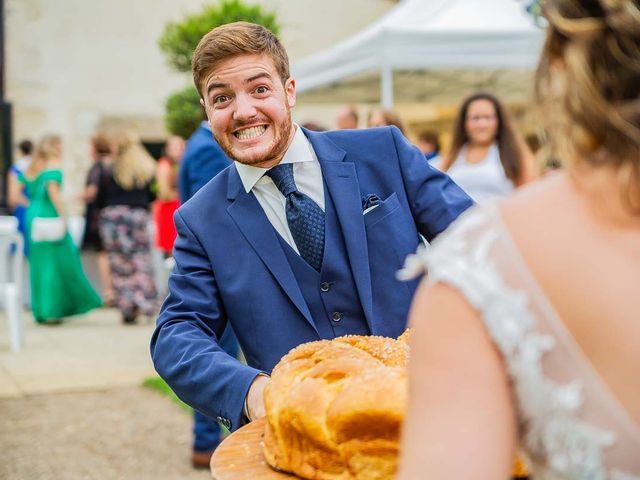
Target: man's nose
{"type": "Point", "coordinates": [244, 108]}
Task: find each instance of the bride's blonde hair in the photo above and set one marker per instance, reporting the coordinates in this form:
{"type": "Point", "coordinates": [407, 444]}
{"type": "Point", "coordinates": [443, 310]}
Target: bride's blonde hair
{"type": "Point", "coordinates": [588, 85]}
{"type": "Point", "coordinates": [133, 167]}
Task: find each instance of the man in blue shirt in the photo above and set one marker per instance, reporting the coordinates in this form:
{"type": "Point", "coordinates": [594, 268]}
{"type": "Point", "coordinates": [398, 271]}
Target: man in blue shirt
{"type": "Point", "coordinates": [203, 159]}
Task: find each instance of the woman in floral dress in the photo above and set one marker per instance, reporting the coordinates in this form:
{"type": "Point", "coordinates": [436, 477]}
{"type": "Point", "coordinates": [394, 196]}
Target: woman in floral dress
{"type": "Point", "coordinates": [124, 223]}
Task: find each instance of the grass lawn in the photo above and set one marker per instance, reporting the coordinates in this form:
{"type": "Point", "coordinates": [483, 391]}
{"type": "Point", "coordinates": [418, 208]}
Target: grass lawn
{"type": "Point", "coordinates": [159, 385]}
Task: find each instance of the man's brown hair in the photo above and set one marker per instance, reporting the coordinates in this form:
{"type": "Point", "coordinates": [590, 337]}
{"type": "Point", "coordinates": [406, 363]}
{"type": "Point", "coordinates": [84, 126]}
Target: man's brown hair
{"type": "Point", "coordinates": [233, 39]}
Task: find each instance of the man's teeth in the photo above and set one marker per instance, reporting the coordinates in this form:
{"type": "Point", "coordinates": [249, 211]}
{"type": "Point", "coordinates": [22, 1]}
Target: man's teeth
{"type": "Point", "coordinates": [249, 133]}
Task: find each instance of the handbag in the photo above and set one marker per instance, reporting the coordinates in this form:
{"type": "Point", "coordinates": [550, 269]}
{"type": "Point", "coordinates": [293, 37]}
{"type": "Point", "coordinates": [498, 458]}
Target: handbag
{"type": "Point", "coordinates": [48, 229]}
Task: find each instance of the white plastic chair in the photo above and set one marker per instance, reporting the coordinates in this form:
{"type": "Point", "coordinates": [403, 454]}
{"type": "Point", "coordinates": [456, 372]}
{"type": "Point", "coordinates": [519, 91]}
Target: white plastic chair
{"type": "Point", "coordinates": [11, 258]}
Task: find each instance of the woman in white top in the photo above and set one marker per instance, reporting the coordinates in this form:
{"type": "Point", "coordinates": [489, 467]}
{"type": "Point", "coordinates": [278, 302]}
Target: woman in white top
{"type": "Point", "coordinates": [487, 158]}
{"type": "Point", "coordinates": [527, 328]}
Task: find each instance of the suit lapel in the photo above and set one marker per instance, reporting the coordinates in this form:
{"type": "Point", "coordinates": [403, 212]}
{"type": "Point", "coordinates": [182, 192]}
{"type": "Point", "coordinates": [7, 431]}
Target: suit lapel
{"type": "Point", "coordinates": [342, 184]}
{"type": "Point", "coordinates": [254, 225]}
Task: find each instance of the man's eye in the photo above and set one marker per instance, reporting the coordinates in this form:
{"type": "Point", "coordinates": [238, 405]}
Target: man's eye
{"type": "Point", "coordinates": [262, 89]}
{"type": "Point", "coordinates": [220, 99]}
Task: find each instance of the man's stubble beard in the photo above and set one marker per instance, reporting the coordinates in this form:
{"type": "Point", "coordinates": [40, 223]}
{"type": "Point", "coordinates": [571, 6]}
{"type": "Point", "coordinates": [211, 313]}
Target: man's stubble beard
{"type": "Point", "coordinates": [280, 144]}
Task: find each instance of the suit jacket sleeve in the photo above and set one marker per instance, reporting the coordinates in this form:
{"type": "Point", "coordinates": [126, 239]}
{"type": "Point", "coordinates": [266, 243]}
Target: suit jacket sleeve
{"type": "Point", "coordinates": [184, 346]}
{"type": "Point", "coordinates": [435, 200]}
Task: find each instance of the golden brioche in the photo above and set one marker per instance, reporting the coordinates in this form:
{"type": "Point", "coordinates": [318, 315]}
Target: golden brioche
{"type": "Point", "coordinates": [334, 408]}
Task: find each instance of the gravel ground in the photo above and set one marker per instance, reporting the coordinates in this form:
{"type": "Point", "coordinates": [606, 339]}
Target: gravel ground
{"type": "Point", "coordinates": [126, 433]}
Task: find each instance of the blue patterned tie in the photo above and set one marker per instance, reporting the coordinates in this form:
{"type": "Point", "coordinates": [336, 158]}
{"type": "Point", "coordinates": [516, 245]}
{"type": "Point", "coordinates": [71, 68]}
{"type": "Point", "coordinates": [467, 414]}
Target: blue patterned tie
{"type": "Point", "coordinates": [304, 216]}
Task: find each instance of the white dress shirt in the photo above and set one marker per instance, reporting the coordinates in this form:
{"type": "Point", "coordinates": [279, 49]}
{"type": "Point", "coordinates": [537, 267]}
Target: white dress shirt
{"type": "Point", "coordinates": [306, 173]}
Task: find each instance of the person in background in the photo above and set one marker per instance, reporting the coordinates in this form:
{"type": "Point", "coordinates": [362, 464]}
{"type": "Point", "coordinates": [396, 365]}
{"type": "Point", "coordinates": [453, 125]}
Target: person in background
{"type": "Point", "coordinates": [347, 118]}
{"type": "Point", "coordinates": [168, 199]}
{"type": "Point", "coordinates": [526, 327]}
{"type": "Point", "coordinates": [429, 144]}
{"type": "Point", "coordinates": [487, 158]}
{"type": "Point", "coordinates": [316, 127]}
{"type": "Point", "coordinates": [383, 117]}
{"type": "Point", "coordinates": [91, 240]}
{"type": "Point", "coordinates": [59, 287]}
{"type": "Point", "coordinates": [204, 159]}
{"type": "Point", "coordinates": [16, 194]}
{"type": "Point", "coordinates": [534, 143]}
{"type": "Point", "coordinates": [124, 223]}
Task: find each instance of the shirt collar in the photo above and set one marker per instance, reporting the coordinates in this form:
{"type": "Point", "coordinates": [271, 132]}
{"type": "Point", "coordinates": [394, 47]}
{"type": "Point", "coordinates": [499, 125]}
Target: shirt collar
{"type": "Point", "coordinates": [298, 151]}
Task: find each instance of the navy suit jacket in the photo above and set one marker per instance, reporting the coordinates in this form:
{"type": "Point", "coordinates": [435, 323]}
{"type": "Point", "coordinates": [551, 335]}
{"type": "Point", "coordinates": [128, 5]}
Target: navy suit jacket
{"type": "Point", "coordinates": [203, 159]}
{"type": "Point", "coordinates": [231, 267]}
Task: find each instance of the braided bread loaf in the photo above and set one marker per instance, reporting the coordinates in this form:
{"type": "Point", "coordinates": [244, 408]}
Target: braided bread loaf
{"type": "Point", "coordinates": [335, 408]}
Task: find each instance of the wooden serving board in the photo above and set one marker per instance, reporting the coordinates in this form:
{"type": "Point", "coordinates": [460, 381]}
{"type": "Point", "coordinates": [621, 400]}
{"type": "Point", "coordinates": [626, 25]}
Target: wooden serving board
{"type": "Point", "coordinates": [240, 457]}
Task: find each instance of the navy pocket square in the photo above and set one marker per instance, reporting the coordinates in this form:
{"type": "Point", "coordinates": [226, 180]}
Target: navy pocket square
{"type": "Point", "coordinates": [369, 201]}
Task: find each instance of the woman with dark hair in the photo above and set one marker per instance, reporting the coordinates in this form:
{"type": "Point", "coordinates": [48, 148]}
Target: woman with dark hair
{"type": "Point", "coordinates": [16, 192]}
{"type": "Point", "coordinates": [94, 198]}
{"type": "Point", "coordinates": [167, 194]}
{"type": "Point", "coordinates": [526, 328]}
{"type": "Point", "coordinates": [487, 158]}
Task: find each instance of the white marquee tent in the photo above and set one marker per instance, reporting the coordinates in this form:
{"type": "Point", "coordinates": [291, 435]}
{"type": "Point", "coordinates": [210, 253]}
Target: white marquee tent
{"type": "Point", "coordinates": [429, 35]}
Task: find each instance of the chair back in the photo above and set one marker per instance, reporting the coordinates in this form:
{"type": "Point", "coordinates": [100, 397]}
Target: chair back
{"type": "Point", "coordinates": [10, 251]}
{"type": "Point", "coordinates": [11, 278]}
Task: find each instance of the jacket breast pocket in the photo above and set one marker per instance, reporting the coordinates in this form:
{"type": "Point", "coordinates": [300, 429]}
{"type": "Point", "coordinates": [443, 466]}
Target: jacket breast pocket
{"type": "Point", "coordinates": [383, 210]}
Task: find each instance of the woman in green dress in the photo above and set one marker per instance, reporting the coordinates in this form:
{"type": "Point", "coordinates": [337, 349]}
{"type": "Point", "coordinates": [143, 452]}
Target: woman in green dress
{"type": "Point", "coordinates": [59, 287]}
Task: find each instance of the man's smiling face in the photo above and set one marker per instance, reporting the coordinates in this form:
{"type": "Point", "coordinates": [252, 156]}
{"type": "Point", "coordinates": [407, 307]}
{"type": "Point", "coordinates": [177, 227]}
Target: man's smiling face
{"type": "Point", "coordinates": [249, 109]}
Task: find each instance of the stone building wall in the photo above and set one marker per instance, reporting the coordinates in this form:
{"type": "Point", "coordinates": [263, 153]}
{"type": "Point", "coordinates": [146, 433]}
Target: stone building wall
{"type": "Point", "coordinates": [76, 66]}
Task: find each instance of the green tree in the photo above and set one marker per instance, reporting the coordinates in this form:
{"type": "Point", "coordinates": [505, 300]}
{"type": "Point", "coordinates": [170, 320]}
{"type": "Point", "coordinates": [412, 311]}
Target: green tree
{"type": "Point", "coordinates": [179, 40]}
{"type": "Point", "coordinates": [183, 113]}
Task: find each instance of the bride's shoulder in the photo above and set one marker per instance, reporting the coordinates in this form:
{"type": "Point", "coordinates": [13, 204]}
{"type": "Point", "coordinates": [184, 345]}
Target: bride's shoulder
{"type": "Point", "coordinates": [535, 203]}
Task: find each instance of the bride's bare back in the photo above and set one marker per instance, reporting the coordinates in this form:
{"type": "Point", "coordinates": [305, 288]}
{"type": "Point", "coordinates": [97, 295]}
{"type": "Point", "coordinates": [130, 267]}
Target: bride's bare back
{"type": "Point", "coordinates": [527, 327]}
{"type": "Point", "coordinates": [582, 246]}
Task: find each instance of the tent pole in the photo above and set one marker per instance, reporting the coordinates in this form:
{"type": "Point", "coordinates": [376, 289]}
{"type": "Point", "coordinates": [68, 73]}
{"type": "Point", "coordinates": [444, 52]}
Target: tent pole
{"type": "Point", "coordinates": [386, 87]}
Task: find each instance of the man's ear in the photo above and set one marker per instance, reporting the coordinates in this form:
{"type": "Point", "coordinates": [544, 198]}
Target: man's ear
{"type": "Point", "coordinates": [205, 111]}
{"type": "Point", "coordinates": [290, 91]}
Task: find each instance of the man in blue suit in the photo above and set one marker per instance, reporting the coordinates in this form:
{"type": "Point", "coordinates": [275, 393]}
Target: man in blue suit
{"type": "Point", "coordinates": [299, 240]}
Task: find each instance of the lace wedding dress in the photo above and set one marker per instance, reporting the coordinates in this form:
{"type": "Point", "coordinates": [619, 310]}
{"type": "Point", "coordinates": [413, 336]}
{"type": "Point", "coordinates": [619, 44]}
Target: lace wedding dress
{"type": "Point", "coordinates": [570, 424]}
